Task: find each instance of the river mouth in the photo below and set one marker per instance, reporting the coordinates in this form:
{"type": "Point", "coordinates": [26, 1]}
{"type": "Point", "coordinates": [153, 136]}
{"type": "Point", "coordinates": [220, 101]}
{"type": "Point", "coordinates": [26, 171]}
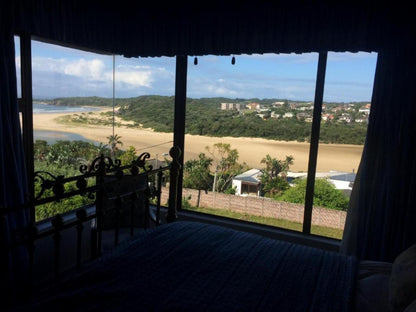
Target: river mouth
{"type": "Point", "coordinates": [51, 137]}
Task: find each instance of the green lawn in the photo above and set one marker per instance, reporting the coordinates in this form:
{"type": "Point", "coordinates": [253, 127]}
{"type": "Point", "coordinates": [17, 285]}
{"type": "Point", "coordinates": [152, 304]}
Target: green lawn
{"type": "Point", "coordinates": [296, 226]}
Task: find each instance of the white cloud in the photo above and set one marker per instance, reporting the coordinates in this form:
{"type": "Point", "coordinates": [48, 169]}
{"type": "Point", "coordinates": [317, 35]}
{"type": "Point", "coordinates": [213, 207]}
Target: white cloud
{"type": "Point", "coordinates": [88, 69]}
{"type": "Point", "coordinates": [95, 70]}
{"type": "Point", "coordinates": [68, 76]}
{"type": "Point", "coordinates": [138, 76]}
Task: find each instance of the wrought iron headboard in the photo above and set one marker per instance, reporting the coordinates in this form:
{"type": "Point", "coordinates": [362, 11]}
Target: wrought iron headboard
{"type": "Point", "coordinates": [104, 172]}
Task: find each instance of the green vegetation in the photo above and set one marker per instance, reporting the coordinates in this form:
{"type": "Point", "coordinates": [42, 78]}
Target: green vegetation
{"type": "Point", "coordinates": [64, 158]}
{"type": "Point", "coordinates": [205, 117]}
{"type": "Point", "coordinates": [215, 168]}
{"type": "Point", "coordinates": [106, 119]}
{"type": "Point", "coordinates": [50, 209]}
{"type": "Point", "coordinates": [225, 166]}
{"type": "Point", "coordinates": [80, 101]}
{"type": "Point", "coordinates": [223, 161]}
{"type": "Point", "coordinates": [197, 174]}
{"type": "Point", "coordinates": [325, 195]}
{"type": "Point", "coordinates": [296, 226]}
{"type": "Point", "coordinates": [273, 178]}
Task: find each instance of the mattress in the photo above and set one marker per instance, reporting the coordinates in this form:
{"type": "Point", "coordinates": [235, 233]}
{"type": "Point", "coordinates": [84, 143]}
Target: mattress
{"type": "Point", "coordinates": [191, 266]}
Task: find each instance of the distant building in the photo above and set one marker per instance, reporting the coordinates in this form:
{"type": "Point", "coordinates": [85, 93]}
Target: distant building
{"type": "Point", "coordinates": [326, 117]}
{"type": "Point", "coordinates": [230, 106]}
{"type": "Point", "coordinates": [263, 113]}
{"type": "Point", "coordinates": [304, 116]}
{"type": "Point", "coordinates": [304, 108]}
{"type": "Point", "coordinates": [365, 110]}
{"type": "Point", "coordinates": [278, 103]}
{"type": "Point", "coordinates": [344, 118]}
{"type": "Point", "coordinates": [253, 106]}
{"type": "Point", "coordinates": [361, 120]}
{"type": "Point", "coordinates": [274, 115]}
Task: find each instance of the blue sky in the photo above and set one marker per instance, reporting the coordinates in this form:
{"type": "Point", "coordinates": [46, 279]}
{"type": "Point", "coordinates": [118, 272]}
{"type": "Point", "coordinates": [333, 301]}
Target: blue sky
{"type": "Point", "coordinates": [61, 72]}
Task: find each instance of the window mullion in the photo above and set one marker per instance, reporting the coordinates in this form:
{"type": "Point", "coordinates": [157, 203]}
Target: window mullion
{"type": "Point", "coordinates": [27, 109]}
{"type": "Point", "coordinates": [313, 151]}
{"type": "Point", "coordinates": [179, 130]}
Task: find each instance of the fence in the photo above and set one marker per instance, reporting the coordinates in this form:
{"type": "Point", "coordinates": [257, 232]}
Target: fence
{"type": "Point", "coordinates": [264, 207]}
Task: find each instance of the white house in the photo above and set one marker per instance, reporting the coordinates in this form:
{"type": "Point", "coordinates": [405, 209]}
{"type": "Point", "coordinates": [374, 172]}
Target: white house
{"type": "Point", "coordinates": [247, 183]}
{"type": "Point", "coordinates": [288, 115]}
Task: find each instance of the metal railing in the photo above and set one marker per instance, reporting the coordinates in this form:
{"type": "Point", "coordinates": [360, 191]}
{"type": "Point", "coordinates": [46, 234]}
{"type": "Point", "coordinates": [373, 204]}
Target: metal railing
{"type": "Point", "coordinates": [120, 193]}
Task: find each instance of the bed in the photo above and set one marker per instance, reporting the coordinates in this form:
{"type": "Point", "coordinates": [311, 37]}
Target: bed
{"type": "Point", "coordinates": [192, 266]}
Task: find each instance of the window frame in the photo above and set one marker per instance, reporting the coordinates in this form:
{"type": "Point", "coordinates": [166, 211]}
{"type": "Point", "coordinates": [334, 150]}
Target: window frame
{"type": "Point", "coordinates": [25, 103]}
{"type": "Point", "coordinates": [26, 109]}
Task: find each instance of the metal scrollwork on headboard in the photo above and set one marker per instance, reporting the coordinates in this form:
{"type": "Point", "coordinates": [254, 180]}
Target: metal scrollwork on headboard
{"type": "Point", "coordinates": [101, 165]}
{"type": "Point", "coordinates": [140, 163]}
{"type": "Point", "coordinates": [49, 181]}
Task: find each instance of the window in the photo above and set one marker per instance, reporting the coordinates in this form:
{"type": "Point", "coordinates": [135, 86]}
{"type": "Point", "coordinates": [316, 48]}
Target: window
{"type": "Point", "coordinates": [250, 124]}
{"type": "Point", "coordinates": [85, 104]}
{"type": "Point", "coordinates": [345, 112]}
{"type": "Point", "coordinates": [253, 121]}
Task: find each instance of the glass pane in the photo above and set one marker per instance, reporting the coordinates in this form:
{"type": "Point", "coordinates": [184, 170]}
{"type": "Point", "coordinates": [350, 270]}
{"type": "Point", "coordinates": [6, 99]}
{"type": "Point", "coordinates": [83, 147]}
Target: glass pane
{"type": "Point", "coordinates": [76, 118]}
{"type": "Point", "coordinates": [345, 112]}
{"type": "Point", "coordinates": [248, 127]}
{"type": "Point", "coordinates": [17, 60]}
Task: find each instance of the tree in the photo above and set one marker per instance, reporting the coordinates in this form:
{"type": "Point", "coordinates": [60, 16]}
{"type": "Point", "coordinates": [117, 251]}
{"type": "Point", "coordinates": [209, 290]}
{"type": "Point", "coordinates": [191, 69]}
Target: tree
{"type": "Point", "coordinates": [225, 165]}
{"type": "Point", "coordinates": [196, 173]}
{"type": "Point", "coordinates": [113, 141]}
{"type": "Point", "coordinates": [325, 195]}
{"type": "Point", "coordinates": [102, 149]}
{"type": "Point", "coordinates": [40, 149]}
{"type": "Point", "coordinates": [128, 156]}
{"type": "Point", "coordinates": [273, 178]}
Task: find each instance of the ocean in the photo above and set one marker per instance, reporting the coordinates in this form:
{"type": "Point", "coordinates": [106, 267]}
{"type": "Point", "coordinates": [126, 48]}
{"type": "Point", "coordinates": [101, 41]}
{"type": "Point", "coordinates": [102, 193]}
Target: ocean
{"type": "Point", "coordinates": [41, 108]}
{"type": "Point", "coordinates": [52, 136]}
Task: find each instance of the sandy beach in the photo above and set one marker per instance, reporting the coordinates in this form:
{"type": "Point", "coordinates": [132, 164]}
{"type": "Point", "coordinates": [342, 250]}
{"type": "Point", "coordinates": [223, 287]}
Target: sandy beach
{"type": "Point", "coordinates": [337, 157]}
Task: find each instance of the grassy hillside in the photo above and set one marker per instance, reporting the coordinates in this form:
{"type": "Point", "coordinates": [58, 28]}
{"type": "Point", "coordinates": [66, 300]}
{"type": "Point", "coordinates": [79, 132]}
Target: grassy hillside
{"type": "Point", "coordinates": [205, 117]}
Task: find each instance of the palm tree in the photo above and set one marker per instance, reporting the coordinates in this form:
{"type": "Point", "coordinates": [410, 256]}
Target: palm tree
{"type": "Point", "coordinates": [286, 163]}
{"type": "Point", "coordinates": [273, 177]}
{"type": "Point", "coordinates": [274, 167]}
{"type": "Point", "coordinates": [113, 141]}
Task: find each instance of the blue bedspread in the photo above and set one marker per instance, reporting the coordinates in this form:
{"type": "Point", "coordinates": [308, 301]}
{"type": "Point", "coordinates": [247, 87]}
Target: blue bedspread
{"type": "Point", "coordinates": [188, 266]}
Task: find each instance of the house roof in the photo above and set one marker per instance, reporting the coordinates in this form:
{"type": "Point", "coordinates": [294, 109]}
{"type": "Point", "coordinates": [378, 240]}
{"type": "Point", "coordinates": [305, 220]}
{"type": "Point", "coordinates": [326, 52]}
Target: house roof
{"type": "Point", "coordinates": [249, 176]}
{"type": "Point", "coordinates": [333, 175]}
{"type": "Point", "coordinates": [350, 177]}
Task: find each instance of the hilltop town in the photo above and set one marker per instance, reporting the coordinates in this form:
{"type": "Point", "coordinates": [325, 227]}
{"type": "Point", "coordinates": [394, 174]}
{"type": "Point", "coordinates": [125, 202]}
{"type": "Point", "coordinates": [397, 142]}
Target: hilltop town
{"type": "Point", "coordinates": [331, 112]}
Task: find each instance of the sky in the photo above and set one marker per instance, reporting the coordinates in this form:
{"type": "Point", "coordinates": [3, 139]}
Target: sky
{"type": "Point", "coordinates": [62, 72]}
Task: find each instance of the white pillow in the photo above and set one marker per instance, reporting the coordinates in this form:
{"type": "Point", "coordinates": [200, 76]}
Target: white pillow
{"type": "Point", "coordinates": [402, 288]}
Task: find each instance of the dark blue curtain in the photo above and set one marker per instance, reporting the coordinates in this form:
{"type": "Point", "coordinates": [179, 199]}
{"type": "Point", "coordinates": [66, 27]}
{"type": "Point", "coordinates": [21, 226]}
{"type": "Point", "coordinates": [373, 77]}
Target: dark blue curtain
{"type": "Point", "coordinates": [13, 183]}
{"type": "Point", "coordinates": [144, 29]}
{"type": "Point", "coordinates": [381, 220]}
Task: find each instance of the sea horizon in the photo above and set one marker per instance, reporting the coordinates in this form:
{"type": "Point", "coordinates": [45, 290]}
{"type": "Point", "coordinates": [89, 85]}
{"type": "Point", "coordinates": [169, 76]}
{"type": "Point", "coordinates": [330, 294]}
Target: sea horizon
{"type": "Point", "coordinates": [43, 108]}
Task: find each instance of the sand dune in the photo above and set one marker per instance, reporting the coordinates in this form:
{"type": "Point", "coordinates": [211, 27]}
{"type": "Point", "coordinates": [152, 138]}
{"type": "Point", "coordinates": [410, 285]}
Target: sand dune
{"type": "Point", "coordinates": [251, 150]}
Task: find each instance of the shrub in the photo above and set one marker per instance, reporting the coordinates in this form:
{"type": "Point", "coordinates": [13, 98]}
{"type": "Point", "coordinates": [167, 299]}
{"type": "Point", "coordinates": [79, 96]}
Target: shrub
{"type": "Point", "coordinates": [325, 195]}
